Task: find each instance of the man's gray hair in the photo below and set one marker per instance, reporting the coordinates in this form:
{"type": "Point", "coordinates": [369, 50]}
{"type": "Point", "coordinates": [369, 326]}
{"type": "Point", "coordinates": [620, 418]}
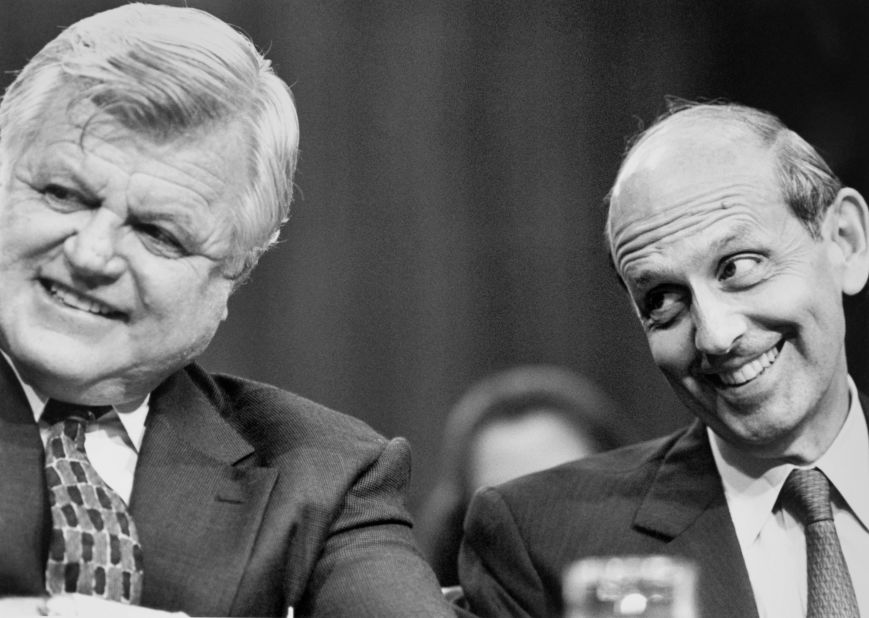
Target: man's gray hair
{"type": "Point", "coordinates": [171, 73]}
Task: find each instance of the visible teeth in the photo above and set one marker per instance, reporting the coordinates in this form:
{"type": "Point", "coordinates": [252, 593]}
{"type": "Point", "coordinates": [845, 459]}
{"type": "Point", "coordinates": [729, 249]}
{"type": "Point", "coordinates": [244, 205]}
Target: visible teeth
{"type": "Point", "coordinates": [71, 299]}
{"type": "Point", "coordinates": [750, 370]}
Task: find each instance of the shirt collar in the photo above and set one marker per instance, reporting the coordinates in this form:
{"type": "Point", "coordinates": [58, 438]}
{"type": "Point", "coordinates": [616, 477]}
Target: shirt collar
{"type": "Point", "coordinates": [846, 462]}
{"type": "Point", "coordinates": [132, 416]}
{"type": "Point", "coordinates": [752, 488]}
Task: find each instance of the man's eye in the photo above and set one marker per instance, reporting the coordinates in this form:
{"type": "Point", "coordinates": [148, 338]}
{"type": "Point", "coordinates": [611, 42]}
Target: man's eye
{"type": "Point", "coordinates": [160, 241]}
{"type": "Point", "coordinates": [59, 195]}
{"type": "Point", "coordinates": [662, 306]}
{"type": "Point", "coordinates": [57, 191]}
{"type": "Point", "coordinates": [738, 267]}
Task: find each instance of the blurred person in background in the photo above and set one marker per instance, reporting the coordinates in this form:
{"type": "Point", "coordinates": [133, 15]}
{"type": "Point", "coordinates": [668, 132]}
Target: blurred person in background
{"type": "Point", "coordinates": [146, 162]}
{"type": "Point", "coordinates": [736, 244]}
{"type": "Point", "coordinates": [511, 423]}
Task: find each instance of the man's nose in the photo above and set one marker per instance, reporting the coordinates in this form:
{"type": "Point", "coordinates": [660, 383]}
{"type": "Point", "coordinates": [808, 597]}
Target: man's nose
{"type": "Point", "coordinates": [718, 322]}
{"type": "Point", "coordinates": [91, 250]}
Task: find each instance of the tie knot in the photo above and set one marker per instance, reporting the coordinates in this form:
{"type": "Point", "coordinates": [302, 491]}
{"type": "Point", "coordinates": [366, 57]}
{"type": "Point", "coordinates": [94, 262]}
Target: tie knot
{"type": "Point", "coordinates": [806, 494]}
{"type": "Point", "coordinates": [56, 411]}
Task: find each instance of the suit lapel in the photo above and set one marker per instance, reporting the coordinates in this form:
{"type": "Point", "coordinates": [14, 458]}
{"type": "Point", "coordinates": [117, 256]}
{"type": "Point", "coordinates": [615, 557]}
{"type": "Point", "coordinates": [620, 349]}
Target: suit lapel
{"type": "Point", "coordinates": [686, 503]}
{"type": "Point", "coordinates": [197, 507]}
{"type": "Point", "coordinates": [23, 506]}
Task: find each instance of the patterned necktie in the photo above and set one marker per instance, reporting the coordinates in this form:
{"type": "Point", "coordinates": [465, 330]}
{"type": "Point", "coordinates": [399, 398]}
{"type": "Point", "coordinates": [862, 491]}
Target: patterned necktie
{"type": "Point", "coordinates": [806, 494]}
{"type": "Point", "coordinates": [94, 548]}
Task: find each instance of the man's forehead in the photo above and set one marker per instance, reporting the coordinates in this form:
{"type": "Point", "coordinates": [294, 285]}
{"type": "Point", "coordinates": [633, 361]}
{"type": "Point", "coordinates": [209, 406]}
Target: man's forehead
{"type": "Point", "coordinates": [690, 157]}
{"type": "Point", "coordinates": [685, 170]}
{"type": "Point", "coordinates": [693, 143]}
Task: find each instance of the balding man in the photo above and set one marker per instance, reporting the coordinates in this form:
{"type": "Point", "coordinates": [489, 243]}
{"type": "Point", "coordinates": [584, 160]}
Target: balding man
{"type": "Point", "coordinates": [736, 244]}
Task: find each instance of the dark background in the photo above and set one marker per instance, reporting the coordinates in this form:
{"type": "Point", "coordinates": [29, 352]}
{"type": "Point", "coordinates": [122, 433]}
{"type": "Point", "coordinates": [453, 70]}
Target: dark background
{"type": "Point", "coordinates": [455, 155]}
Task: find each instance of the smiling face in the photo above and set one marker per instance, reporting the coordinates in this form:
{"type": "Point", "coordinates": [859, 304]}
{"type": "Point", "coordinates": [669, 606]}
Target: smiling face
{"type": "Point", "coordinates": [741, 305]}
{"type": "Point", "coordinates": [112, 250]}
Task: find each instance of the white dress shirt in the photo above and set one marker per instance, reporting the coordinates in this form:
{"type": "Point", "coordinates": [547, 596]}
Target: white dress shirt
{"type": "Point", "coordinates": [772, 542]}
{"type": "Point", "coordinates": [112, 442]}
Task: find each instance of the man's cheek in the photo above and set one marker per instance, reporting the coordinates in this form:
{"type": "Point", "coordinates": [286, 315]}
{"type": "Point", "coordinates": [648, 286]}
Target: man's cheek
{"type": "Point", "coordinates": [669, 355]}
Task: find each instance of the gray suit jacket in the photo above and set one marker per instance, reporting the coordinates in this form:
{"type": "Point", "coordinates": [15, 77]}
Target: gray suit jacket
{"type": "Point", "coordinates": [659, 497]}
{"type": "Point", "coordinates": [248, 499]}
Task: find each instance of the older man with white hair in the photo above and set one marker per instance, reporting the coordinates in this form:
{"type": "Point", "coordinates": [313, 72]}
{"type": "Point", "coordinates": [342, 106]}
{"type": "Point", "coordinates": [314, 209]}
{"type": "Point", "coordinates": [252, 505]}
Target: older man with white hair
{"type": "Point", "coordinates": [146, 162]}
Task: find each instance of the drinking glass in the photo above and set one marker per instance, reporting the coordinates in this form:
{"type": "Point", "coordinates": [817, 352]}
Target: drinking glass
{"type": "Point", "coordinates": [648, 586]}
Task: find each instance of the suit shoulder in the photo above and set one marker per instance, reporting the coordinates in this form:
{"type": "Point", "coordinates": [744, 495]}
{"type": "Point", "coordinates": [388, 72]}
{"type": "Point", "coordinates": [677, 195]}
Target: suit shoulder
{"type": "Point", "coordinates": [617, 470]}
{"type": "Point", "coordinates": [595, 498]}
{"type": "Point", "coordinates": [268, 415]}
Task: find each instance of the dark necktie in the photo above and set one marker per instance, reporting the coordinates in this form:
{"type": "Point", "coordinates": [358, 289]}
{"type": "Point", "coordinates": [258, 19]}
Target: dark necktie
{"type": "Point", "coordinates": [806, 494]}
{"type": "Point", "coordinates": [94, 548]}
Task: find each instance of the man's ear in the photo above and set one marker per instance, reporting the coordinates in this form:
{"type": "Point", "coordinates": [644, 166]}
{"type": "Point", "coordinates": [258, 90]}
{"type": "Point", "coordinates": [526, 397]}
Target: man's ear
{"type": "Point", "coordinates": [847, 223]}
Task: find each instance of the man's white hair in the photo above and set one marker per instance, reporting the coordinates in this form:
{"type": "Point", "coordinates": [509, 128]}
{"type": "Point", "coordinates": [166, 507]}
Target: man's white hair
{"type": "Point", "coordinates": [172, 73]}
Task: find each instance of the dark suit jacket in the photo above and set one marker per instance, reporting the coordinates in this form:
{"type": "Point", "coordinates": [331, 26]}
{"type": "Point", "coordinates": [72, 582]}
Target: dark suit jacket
{"type": "Point", "coordinates": [659, 497]}
{"type": "Point", "coordinates": [248, 499]}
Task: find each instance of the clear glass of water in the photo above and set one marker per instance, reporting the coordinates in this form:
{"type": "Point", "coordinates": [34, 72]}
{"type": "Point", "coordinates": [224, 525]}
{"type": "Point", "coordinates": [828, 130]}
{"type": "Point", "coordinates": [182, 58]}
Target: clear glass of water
{"type": "Point", "coordinates": [614, 586]}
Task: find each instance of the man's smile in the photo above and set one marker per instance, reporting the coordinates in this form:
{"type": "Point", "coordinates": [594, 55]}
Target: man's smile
{"type": "Point", "coordinates": [70, 298]}
{"type": "Point", "coordinates": [747, 371]}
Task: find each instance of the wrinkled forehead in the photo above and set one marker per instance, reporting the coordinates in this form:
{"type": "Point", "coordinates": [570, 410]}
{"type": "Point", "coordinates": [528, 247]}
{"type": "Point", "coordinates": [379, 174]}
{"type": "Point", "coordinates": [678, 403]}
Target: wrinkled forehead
{"type": "Point", "coordinates": [677, 168]}
{"type": "Point", "coordinates": [80, 122]}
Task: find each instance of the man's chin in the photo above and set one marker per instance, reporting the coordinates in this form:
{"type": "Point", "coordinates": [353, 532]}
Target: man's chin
{"type": "Point", "coordinates": [757, 438]}
{"type": "Point", "coordinates": [66, 379]}
{"type": "Point", "coordinates": [98, 394]}
{"type": "Point", "coordinates": [743, 411]}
